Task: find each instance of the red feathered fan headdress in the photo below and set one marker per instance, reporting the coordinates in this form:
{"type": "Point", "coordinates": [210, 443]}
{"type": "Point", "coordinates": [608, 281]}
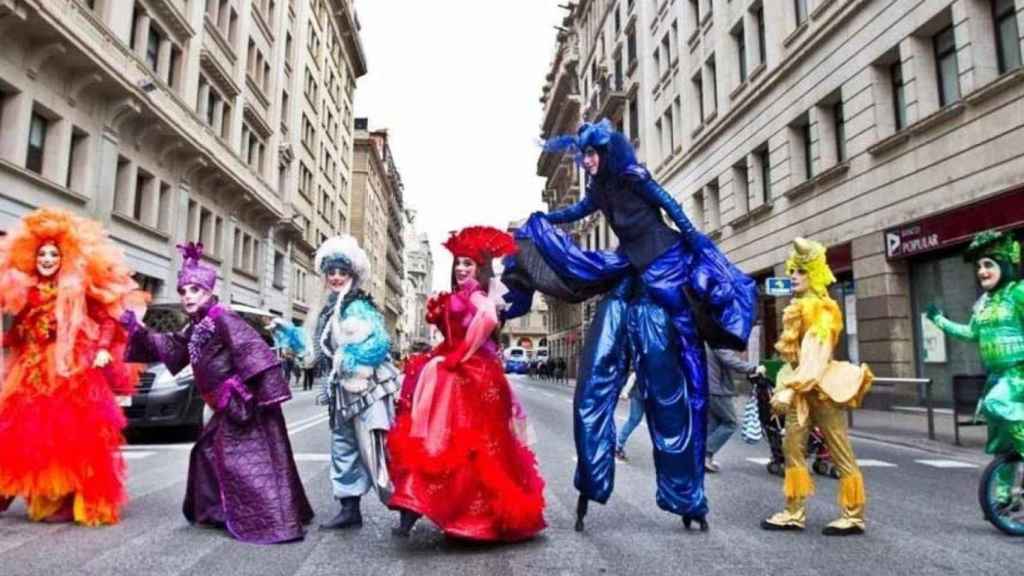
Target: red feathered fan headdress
{"type": "Point", "coordinates": [481, 243]}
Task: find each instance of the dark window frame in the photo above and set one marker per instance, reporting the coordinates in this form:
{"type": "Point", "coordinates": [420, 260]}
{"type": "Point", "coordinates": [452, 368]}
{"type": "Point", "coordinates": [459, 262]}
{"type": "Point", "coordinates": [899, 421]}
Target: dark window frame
{"type": "Point", "coordinates": [38, 128]}
{"type": "Point", "coordinates": [1007, 14]}
{"type": "Point", "coordinates": [943, 51]}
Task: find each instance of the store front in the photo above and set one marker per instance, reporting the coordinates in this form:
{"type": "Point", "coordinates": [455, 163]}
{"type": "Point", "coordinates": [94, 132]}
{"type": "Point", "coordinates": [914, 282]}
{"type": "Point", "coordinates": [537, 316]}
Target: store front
{"type": "Point", "coordinates": [939, 275]}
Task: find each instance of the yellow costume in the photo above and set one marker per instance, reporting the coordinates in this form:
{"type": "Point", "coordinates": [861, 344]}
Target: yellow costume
{"type": "Point", "coordinates": [815, 390]}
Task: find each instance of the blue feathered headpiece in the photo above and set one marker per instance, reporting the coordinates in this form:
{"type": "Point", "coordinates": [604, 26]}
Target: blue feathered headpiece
{"type": "Point", "coordinates": [616, 152]}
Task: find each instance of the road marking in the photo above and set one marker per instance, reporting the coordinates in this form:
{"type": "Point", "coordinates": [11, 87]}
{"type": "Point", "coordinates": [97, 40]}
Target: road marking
{"type": "Point", "coordinates": [760, 461]}
{"type": "Point", "coordinates": [159, 447]}
{"type": "Point", "coordinates": [946, 464]}
{"type": "Point", "coordinates": [312, 457]}
{"type": "Point", "coordinates": [869, 463]}
{"type": "Point", "coordinates": [136, 455]}
{"type": "Point", "coordinates": [304, 421]}
{"type": "Point", "coordinates": [310, 424]}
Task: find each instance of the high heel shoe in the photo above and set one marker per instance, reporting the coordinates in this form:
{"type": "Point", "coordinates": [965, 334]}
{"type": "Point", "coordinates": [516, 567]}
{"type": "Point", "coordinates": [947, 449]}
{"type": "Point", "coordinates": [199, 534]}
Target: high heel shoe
{"type": "Point", "coordinates": [581, 511]}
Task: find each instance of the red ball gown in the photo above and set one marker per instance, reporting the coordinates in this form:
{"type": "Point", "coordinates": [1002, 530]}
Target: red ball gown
{"type": "Point", "coordinates": [458, 452]}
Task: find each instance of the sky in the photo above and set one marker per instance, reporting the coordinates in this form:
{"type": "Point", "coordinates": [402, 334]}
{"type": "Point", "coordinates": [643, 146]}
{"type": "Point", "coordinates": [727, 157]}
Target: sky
{"type": "Point", "coordinates": [457, 85]}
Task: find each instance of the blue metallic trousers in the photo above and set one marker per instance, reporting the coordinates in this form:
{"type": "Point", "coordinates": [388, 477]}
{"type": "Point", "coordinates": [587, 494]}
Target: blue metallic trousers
{"type": "Point", "coordinates": [647, 320]}
{"type": "Point", "coordinates": [634, 330]}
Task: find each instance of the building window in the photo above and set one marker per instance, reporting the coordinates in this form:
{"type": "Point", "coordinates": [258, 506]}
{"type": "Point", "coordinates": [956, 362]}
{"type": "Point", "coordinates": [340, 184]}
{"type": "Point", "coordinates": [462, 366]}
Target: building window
{"type": "Point", "coordinates": [762, 41]}
{"type": "Point", "coordinates": [806, 143]}
{"type": "Point", "coordinates": [899, 95]}
{"type": "Point", "coordinates": [122, 185]}
{"type": "Point", "coordinates": [1007, 35]}
{"type": "Point", "coordinates": [741, 187]}
{"type": "Point", "coordinates": [163, 219]}
{"type": "Point", "coordinates": [713, 78]}
{"type": "Point", "coordinates": [77, 161]}
{"type": "Point", "coordinates": [839, 118]}
{"type": "Point", "coordinates": [36, 142]}
{"type": "Point", "coordinates": [764, 166]}
{"type": "Point", "coordinates": [712, 207]}
{"type": "Point", "coordinates": [740, 42]}
{"type": "Point", "coordinates": [153, 48]}
{"type": "Point", "coordinates": [800, 9]}
{"type": "Point", "coordinates": [698, 92]}
{"type": "Point", "coordinates": [140, 205]}
{"type": "Point", "coordinates": [945, 62]}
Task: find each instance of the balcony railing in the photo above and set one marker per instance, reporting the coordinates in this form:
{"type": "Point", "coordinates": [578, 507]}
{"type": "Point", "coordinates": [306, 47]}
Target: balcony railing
{"type": "Point", "coordinates": [609, 98]}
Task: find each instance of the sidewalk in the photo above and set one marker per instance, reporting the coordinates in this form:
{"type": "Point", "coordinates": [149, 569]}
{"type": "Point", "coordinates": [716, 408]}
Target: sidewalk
{"type": "Point", "coordinates": [902, 426]}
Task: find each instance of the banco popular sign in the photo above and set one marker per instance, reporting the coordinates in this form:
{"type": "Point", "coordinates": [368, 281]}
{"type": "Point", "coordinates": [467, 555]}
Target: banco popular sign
{"type": "Point", "coordinates": [954, 227]}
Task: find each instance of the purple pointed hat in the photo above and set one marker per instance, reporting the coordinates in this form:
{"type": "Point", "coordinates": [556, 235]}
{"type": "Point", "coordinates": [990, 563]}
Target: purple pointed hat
{"type": "Point", "coordinates": [193, 270]}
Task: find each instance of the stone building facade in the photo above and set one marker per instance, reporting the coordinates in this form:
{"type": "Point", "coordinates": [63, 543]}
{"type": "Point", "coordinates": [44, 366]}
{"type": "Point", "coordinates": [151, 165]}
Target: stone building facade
{"type": "Point", "coordinates": [170, 121]}
{"type": "Point", "coordinates": [418, 285]}
{"type": "Point", "coordinates": [890, 131]}
{"type": "Point", "coordinates": [378, 220]}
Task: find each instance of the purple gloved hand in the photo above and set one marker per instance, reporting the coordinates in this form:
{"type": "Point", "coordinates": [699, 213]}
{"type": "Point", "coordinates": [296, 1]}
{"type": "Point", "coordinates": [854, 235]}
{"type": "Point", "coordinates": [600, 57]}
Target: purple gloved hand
{"type": "Point", "coordinates": [129, 321]}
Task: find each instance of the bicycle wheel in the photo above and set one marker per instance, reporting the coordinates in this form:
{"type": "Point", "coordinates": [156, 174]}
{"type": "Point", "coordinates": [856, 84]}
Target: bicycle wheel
{"type": "Point", "coordinates": [1001, 493]}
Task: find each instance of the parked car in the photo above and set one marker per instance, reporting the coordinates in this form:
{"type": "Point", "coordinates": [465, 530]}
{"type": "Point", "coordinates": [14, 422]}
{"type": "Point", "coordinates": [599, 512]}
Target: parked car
{"type": "Point", "coordinates": [170, 401]}
{"type": "Point", "coordinates": [516, 360]}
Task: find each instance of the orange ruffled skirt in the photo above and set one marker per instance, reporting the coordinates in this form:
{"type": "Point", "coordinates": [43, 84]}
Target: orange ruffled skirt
{"type": "Point", "coordinates": [59, 442]}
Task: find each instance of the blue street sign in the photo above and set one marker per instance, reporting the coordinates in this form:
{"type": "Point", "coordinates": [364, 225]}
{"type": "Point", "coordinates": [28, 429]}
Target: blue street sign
{"type": "Point", "coordinates": [778, 286]}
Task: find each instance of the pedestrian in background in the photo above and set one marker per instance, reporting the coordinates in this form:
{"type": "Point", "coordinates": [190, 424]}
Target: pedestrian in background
{"type": "Point", "coordinates": [290, 345]}
{"type": "Point", "coordinates": [722, 420]}
{"type": "Point", "coordinates": [636, 414]}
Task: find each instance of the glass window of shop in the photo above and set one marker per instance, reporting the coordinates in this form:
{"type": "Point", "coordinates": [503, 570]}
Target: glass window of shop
{"type": "Point", "coordinates": [947, 281]}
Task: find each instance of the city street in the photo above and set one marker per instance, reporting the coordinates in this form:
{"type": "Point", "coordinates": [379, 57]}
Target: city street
{"type": "Point", "coordinates": [923, 519]}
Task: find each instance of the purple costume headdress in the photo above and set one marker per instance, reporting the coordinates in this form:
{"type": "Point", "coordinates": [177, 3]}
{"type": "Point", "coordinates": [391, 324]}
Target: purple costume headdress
{"type": "Point", "coordinates": [193, 270]}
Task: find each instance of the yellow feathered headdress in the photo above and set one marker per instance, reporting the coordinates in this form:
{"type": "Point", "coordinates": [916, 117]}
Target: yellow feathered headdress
{"type": "Point", "coordinates": [809, 256]}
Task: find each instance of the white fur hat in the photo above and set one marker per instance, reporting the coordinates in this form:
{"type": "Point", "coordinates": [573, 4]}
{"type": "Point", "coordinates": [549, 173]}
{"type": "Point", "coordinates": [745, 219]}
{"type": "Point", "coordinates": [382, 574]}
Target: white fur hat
{"type": "Point", "coordinates": [343, 252]}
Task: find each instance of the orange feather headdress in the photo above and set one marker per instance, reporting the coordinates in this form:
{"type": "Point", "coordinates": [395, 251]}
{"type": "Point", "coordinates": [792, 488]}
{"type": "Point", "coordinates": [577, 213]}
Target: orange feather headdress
{"type": "Point", "coordinates": [92, 267]}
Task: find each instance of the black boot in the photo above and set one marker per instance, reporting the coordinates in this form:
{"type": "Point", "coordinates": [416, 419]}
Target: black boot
{"type": "Point", "coordinates": [5, 502]}
{"type": "Point", "coordinates": [702, 522]}
{"type": "Point", "coordinates": [348, 517]}
{"type": "Point", "coordinates": [581, 511]}
{"type": "Point", "coordinates": [406, 520]}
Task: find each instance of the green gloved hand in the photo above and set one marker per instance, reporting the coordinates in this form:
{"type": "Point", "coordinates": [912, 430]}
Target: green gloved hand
{"type": "Point", "coordinates": [933, 312]}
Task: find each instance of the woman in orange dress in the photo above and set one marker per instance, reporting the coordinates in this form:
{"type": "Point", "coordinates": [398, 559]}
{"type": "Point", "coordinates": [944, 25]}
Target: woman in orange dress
{"type": "Point", "coordinates": [60, 425]}
{"type": "Point", "coordinates": [458, 452]}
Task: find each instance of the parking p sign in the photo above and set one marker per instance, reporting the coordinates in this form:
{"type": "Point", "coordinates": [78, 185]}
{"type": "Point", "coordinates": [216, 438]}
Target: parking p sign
{"type": "Point", "coordinates": [778, 286]}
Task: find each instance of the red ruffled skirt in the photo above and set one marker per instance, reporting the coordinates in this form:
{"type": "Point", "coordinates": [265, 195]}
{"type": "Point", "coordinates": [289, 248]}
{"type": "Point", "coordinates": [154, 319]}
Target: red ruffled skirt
{"type": "Point", "coordinates": [60, 440]}
{"type": "Point", "coordinates": [472, 476]}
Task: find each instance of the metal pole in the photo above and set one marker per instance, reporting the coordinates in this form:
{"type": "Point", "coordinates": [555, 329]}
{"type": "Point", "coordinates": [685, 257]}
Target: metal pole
{"type": "Point", "coordinates": [928, 406]}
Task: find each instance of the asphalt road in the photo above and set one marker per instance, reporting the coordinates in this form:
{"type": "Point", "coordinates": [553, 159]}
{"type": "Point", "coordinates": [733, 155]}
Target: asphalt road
{"type": "Point", "coordinates": [923, 518]}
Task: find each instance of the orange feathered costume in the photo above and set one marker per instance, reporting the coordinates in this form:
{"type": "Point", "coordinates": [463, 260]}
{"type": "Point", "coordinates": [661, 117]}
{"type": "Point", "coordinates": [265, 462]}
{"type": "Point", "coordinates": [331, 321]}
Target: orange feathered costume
{"type": "Point", "coordinates": [60, 424]}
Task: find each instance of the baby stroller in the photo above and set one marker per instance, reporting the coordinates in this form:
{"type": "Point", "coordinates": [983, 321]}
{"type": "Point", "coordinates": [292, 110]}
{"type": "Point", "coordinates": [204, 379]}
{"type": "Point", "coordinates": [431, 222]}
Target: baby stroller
{"type": "Point", "coordinates": [774, 428]}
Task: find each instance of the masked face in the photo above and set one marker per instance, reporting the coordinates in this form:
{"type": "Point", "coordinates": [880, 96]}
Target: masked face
{"type": "Point", "coordinates": [801, 283]}
{"type": "Point", "coordinates": [465, 270]}
{"type": "Point", "coordinates": [338, 281]}
{"type": "Point", "coordinates": [194, 297]}
{"type": "Point", "coordinates": [989, 274]}
{"type": "Point", "coordinates": [591, 161]}
{"type": "Point", "coordinates": [48, 260]}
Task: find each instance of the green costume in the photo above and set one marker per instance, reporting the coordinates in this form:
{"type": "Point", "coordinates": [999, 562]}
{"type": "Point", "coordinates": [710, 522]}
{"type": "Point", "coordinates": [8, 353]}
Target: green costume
{"type": "Point", "coordinates": [997, 325]}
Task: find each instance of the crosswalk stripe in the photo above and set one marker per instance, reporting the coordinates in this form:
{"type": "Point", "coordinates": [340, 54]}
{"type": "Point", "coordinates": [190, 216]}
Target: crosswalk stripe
{"type": "Point", "coordinates": [947, 464]}
{"type": "Point", "coordinates": [760, 461]}
{"type": "Point", "coordinates": [312, 457]}
{"type": "Point", "coordinates": [869, 463]}
{"type": "Point", "coordinates": [136, 455]}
